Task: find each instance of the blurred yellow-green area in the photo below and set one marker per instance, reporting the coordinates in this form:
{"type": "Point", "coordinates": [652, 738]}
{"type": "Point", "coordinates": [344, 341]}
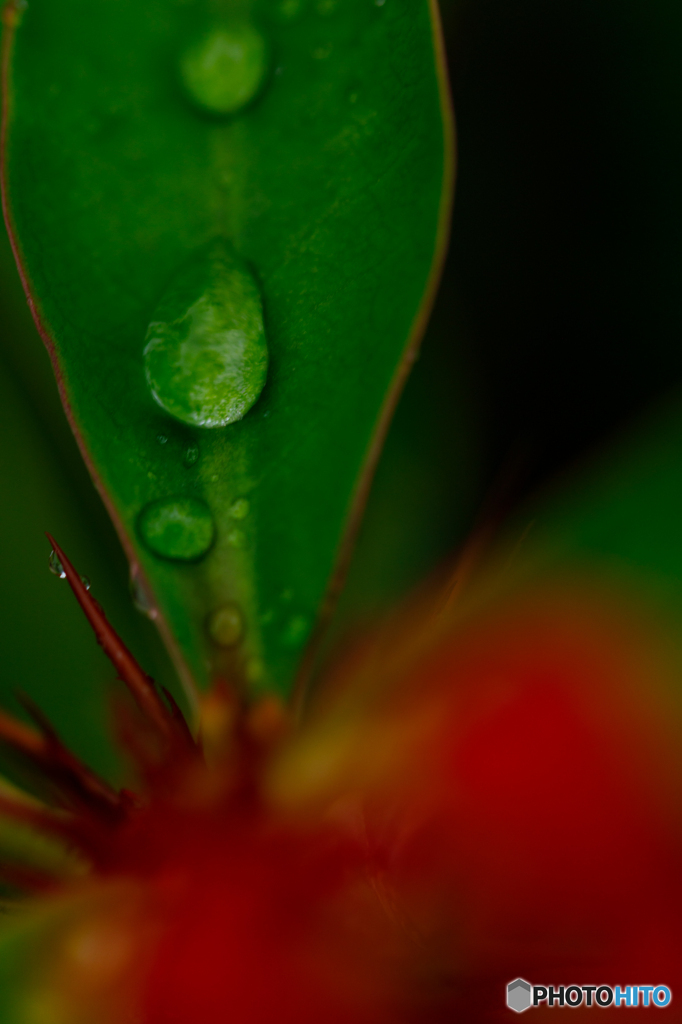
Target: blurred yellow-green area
{"type": "Point", "coordinates": [547, 392]}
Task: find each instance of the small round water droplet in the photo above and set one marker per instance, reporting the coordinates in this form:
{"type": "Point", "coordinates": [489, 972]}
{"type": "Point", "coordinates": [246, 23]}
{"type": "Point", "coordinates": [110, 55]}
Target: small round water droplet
{"type": "Point", "coordinates": [86, 582]}
{"type": "Point", "coordinates": [224, 70]}
{"type": "Point", "coordinates": [142, 599]}
{"type": "Point", "coordinates": [226, 625]}
{"type": "Point", "coordinates": [161, 439]}
{"type": "Point", "coordinates": [295, 631]}
{"type": "Point", "coordinates": [205, 355]}
{"type": "Point", "coordinates": [178, 528]}
{"type": "Point", "coordinates": [191, 456]}
{"type": "Point", "coordinates": [56, 567]}
{"type": "Point", "coordinates": [236, 539]}
{"type": "Point", "coordinates": [239, 509]}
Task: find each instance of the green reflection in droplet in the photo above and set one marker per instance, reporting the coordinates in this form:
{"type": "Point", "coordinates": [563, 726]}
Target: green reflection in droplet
{"type": "Point", "coordinates": [226, 625]}
{"type": "Point", "coordinates": [206, 355]}
{"type": "Point", "coordinates": [181, 529]}
{"type": "Point", "coordinates": [225, 68]}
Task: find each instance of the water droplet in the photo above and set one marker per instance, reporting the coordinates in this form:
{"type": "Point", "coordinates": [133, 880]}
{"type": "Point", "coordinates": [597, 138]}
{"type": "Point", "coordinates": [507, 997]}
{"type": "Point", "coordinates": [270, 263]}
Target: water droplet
{"type": "Point", "coordinates": [379, 3]}
{"type": "Point", "coordinates": [161, 439]}
{"type": "Point", "coordinates": [224, 70]}
{"type": "Point", "coordinates": [178, 528]}
{"type": "Point", "coordinates": [239, 509]}
{"type": "Point", "coordinates": [226, 625]}
{"type": "Point", "coordinates": [236, 539]}
{"type": "Point", "coordinates": [142, 598]}
{"type": "Point", "coordinates": [56, 567]}
{"type": "Point", "coordinates": [295, 631]}
{"type": "Point", "coordinates": [191, 456]}
{"type": "Point", "coordinates": [205, 355]}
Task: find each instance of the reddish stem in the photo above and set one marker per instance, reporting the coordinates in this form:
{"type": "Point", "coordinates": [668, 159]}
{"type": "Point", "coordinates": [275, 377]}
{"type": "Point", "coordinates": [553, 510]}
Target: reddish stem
{"type": "Point", "coordinates": [138, 682]}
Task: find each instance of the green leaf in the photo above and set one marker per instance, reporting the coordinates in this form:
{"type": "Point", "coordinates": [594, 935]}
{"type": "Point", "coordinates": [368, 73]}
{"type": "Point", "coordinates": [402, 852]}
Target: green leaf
{"type": "Point", "coordinates": [325, 191]}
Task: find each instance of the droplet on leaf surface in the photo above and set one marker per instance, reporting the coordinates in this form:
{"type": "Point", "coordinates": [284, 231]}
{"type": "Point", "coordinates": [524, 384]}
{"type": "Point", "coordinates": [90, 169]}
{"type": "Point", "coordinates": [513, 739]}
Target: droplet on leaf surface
{"type": "Point", "coordinates": [181, 529]}
{"type": "Point", "coordinates": [225, 68]}
{"type": "Point", "coordinates": [206, 356]}
{"type": "Point", "coordinates": [239, 509]}
{"type": "Point", "coordinates": [226, 625]}
{"type": "Point", "coordinates": [191, 456]}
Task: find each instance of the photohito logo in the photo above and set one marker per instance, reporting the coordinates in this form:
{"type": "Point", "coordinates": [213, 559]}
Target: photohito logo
{"type": "Point", "coordinates": [521, 995]}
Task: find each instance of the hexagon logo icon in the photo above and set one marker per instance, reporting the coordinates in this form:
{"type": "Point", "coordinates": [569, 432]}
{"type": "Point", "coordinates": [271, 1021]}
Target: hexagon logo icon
{"type": "Point", "coordinates": [518, 995]}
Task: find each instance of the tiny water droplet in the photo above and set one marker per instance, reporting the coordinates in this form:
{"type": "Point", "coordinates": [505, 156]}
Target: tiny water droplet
{"type": "Point", "coordinates": [206, 355]}
{"type": "Point", "coordinates": [224, 70]}
{"type": "Point", "coordinates": [295, 631]}
{"type": "Point", "coordinates": [191, 456]}
{"type": "Point", "coordinates": [142, 599]}
{"type": "Point", "coordinates": [226, 625]}
{"type": "Point", "coordinates": [236, 539]}
{"type": "Point", "coordinates": [379, 3]}
{"type": "Point", "coordinates": [181, 529]}
{"type": "Point", "coordinates": [239, 509]}
{"type": "Point", "coordinates": [161, 439]}
{"type": "Point", "coordinates": [56, 567]}
{"type": "Point", "coordinates": [86, 582]}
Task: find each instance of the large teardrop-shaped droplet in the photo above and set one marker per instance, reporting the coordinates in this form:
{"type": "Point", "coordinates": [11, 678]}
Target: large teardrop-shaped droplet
{"type": "Point", "coordinates": [206, 356]}
{"type": "Point", "coordinates": [181, 529]}
{"type": "Point", "coordinates": [224, 69]}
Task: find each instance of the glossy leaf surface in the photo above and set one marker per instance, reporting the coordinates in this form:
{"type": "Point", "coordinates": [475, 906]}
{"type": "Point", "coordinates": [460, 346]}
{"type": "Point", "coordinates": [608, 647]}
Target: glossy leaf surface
{"type": "Point", "coordinates": [327, 187]}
